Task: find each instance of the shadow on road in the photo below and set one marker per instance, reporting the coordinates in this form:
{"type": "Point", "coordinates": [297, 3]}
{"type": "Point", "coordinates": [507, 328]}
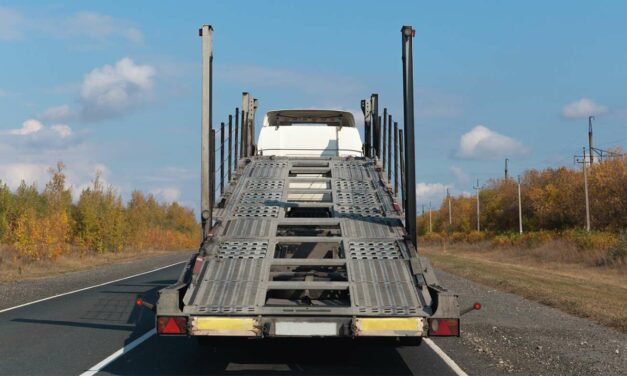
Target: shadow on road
{"type": "Point", "coordinates": [112, 309]}
{"type": "Point", "coordinates": [185, 356]}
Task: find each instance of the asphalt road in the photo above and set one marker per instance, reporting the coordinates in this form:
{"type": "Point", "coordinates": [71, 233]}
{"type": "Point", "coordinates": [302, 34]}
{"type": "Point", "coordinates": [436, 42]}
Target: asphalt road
{"type": "Point", "coordinates": [74, 333]}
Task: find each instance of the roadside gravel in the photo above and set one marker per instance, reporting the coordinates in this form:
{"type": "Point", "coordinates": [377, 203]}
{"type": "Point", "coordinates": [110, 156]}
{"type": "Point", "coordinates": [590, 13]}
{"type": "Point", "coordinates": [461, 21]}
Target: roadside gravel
{"type": "Point", "coordinates": [16, 293]}
{"type": "Point", "coordinates": [512, 335]}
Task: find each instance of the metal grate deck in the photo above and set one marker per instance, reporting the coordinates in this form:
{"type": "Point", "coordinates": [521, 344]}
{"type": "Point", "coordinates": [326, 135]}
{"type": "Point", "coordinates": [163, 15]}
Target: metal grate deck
{"type": "Point", "coordinates": [333, 201]}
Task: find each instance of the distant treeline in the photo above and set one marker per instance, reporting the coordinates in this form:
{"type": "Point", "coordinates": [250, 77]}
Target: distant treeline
{"type": "Point", "coordinates": [47, 223]}
{"type": "Point", "coordinates": [552, 199]}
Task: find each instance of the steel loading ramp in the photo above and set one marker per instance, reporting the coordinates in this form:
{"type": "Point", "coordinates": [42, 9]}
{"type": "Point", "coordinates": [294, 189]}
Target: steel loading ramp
{"type": "Point", "coordinates": [301, 236]}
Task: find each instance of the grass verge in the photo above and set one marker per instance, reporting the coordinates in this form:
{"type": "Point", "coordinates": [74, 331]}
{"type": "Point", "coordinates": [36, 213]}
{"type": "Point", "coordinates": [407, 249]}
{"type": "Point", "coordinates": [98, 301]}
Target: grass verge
{"type": "Point", "coordinates": [598, 293]}
{"type": "Point", "coordinates": [15, 268]}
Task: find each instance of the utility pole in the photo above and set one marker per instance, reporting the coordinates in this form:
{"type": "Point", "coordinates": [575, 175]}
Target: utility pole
{"type": "Point", "coordinates": [450, 212]}
{"type": "Point", "coordinates": [590, 148]}
{"type": "Point", "coordinates": [477, 188]}
{"type": "Point", "coordinates": [520, 226]}
{"type": "Point", "coordinates": [430, 223]}
{"type": "Point", "coordinates": [585, 184]}
{"type": "Point", "coordinates": [506, 172]}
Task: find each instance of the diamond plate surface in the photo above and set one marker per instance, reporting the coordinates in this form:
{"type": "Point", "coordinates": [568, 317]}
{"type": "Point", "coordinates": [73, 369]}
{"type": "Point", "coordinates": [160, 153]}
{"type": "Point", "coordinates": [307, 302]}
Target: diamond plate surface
{"type": "Point", "coordinates": [353, 185]}
{"type": "Point", "coordinates": [243, 249]}
{"type": "Point", "coordinates": [264, 185]}
{"type": "Point", "coordinates": [260, 197]}
{"type": "Point", "coordinates": [366, 198]}
{"type": "Point", "coordinates": [373, 250]}
{"type": "Point", "coordinates": [357, 212]}
{"type": "Point", "coordinates": [256, 211]}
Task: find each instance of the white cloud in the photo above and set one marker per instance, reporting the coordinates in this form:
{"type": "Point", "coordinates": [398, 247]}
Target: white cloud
{"type": "Point", "coordinates": [461, 176]}
{"type": "Point", "coordinates": [10, 24]}
{"type": "Point", "coordinates": [167, 194]}
{"type": "Point", "coordinates": [13, 173]}
{"type": "Point", "coordinates": [430, 192]}
{"type": "Point", "coordinates": [62, 129]}
{"type": "Point", "coordinates": [583, 108]}
{"type": "Point", "coordinates": [79, 174]}
{"type": "Point", "coordinates": [113, 91]}
{"type": "Point", "coordinates": [30, 126]}
{"type": "Point", "coordinates": [481, 143]}
{"type": "Point", "coordinates": [63, 112]}
{"type": "Point", "coordinates": [3, 93]}
{"type": "Point", "coordinates": [34, 136]}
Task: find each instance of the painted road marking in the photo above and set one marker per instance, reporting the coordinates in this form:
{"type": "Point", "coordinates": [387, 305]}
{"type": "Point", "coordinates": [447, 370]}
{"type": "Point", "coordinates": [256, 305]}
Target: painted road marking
{"type": "Point", "coordinates": [450, 362]}
{"type": "Point", "coordinates": [88, 288]}
{"type": "Point", "coordinates": [95, 369]}
{"type": "Point", "coordinates": [111, 358]}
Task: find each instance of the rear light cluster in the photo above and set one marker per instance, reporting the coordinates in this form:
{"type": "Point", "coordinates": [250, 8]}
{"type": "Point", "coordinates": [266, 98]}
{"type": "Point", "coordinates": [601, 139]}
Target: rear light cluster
{"type": "Point", "coordinates": [197, 265]}
{"type": "Point", "coordinates": [444, 327]}
{"type": "Point", "coordinates": [172, 325]}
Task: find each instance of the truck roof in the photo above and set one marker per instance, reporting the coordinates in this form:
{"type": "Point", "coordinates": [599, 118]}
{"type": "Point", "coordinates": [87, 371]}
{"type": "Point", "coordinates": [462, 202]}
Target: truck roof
{"type": "Point", "coordinates": [334, 118]}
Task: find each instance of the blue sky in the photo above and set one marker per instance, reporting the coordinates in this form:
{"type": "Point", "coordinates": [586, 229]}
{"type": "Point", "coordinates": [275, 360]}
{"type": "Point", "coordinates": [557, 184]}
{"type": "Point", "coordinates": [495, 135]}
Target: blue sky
{"type": "Point", "coordinates": [116, 86]}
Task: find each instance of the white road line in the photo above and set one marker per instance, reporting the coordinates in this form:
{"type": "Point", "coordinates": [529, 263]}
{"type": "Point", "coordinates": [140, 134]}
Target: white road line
{"type": "Point", "coordinates": [95, 369]}
{"type": "Point", "coordinates": [87, 288]}
{"type": "Point", "coordinates": [450, 362]}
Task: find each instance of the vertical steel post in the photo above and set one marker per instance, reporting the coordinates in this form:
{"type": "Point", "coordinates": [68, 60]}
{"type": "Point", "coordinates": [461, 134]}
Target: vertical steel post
{"type": "Point", "coordinates": [221, 157]}
{"type": "Point", "coordinates": [212, 172]}
{"type": "Point", "coordinates": [408, 33]}
{"type": "Point", "coordinates": [207, 155]}
{"type": "Point", "coordinates": [585, 182]}
{"type": "Point", "coordinates": [377, 141]}
{"type": "Point", "coordinates": [242, 145]}
{"type": "Point", "coordinates": [244, 135]}
{"type": "Point", "coordinates": [401, 146]}
{"type": "Point", "coordinates": [395, 158]}
{"type": "Point", "coordinates": [230, 146]}
{"type": "Point", "coordinates": [506, 170]}
{"type": "Point", "coordinates": [385, 128]}
{"type": "Point", "coordinates": [245, 128]}
{"type": "Point", "coordinates": [365, 108]}
{"type": "Point", "coordinates": [236, 140]}
{"type": "Point", "coordinates": [374, 98]}
{"type": "Point", "coordinates": [254, 103]}
{"type": "Point", "coordinates": [389, 149]}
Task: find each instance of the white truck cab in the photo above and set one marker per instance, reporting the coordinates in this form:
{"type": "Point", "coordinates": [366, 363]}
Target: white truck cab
{"type": "Point", "coordinates": [309, 133]}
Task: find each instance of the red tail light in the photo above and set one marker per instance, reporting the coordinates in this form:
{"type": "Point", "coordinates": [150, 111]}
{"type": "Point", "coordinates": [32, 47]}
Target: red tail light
{"type": "Point", "coordinates": [444, 327]}
{"type": "Point", "coordinates": [197, 265]}
{"type": "Point", "coordinates": [171, 325]}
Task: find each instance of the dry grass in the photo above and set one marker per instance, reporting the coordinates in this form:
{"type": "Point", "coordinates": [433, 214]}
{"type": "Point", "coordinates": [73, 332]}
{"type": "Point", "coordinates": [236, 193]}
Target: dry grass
{"type": "Point", "coordinates": [551, 276]}
{"type": "Point", "coordinates": [14, 267]}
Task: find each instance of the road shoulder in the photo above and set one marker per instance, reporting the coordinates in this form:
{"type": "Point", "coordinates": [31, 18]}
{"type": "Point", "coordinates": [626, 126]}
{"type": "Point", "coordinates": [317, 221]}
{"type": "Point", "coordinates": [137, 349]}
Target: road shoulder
{"type": "Point", "coordinates": [514, 335]}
